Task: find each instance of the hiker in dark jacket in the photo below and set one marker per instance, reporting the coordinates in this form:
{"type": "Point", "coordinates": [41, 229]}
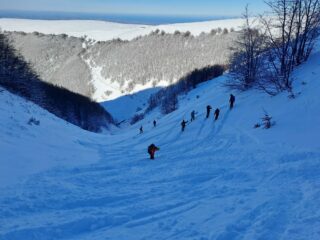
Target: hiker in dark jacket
{"type": "Point", "coordinates": [141, 130]}
{"type": "Point", "coordinates": [154, 123]}
{"type": "Point", "coordinates": [216, 114]}
{"type": "Point", "coordinates": [193, 115]}
{"type": "Point", "coordinates": [232, 100]}
{"type": "Point", "coordinates": [208, 111]}
{"type": "Point", "coordinates": [152, 150]}
{"type": "Point", "coordinates": [183, 125]}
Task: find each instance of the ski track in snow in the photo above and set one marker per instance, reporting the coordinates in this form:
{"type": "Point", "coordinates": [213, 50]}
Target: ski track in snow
{"type": "Point", "coordinates": [217, 180]}
{"type": "Point", "coordinates": [138, 195]}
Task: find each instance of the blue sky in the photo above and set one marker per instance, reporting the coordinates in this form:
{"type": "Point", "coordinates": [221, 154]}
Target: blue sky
{"type": "Point", "coordinates": [155, 7]}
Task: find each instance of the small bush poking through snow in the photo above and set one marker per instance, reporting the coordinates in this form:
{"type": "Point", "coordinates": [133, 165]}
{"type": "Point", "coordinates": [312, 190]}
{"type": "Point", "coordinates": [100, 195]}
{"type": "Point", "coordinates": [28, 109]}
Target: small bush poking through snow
{"type": "Point", "coordinates": [257, 125]}
{"type": "Point", "coordinates": [267, 121]}
{"type": "Point", "coordinates": [136, 118]}
{"type": "Point", "coordinates": [33, 121]}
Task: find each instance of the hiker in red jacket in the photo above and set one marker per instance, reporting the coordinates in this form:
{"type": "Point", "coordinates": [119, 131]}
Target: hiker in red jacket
{"type": "Point", "coordinates": [152, 150]}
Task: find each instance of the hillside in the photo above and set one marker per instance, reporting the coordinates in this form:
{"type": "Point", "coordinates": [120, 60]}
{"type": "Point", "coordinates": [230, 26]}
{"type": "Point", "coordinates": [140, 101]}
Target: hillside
{"type": "Point", "coordinates": [217, 180]}
{"type": "Point", "coordinates": [104, 31]}
{"type": "Point", "coordinates": [34, 140]}
{"type": "Point", "coordinates": [105, 70]}
{"type": "Point", "coordinates": [18, 77]}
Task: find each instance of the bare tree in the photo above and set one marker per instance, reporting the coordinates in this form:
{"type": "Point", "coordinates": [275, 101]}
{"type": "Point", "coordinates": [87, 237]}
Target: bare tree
{"type": "Point", "coordinates": [307, 29]}
{"type": "Point", "coordinates": [245, 62]}
{"type": "Point", "coordinates": [291, 33]}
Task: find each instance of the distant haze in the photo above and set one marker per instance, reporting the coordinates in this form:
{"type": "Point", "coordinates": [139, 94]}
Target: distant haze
{"type": "Point", "coordinates": [193, 8]}
{"type": "Point", "coordinates": [120, 18]}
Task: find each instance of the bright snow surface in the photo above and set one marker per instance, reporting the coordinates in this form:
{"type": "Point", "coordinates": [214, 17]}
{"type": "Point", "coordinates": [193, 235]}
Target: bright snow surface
{"type": "Point", "coordinates": [102, 31]}
{"type": "Point", "coordinates": [216, 180]}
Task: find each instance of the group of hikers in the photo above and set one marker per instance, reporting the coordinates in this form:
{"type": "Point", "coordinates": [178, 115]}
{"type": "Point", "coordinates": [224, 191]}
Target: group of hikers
{"type": "Point", "coordinates": [193, 117]}
{"type": "Point", "coordinates": [154, 125]}
{"type": "Point", "coordinates": [153, 148]}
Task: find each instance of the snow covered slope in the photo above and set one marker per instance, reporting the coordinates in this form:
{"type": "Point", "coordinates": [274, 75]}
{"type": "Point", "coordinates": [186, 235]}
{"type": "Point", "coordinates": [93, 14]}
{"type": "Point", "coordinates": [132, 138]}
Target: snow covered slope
{"type": "Point", "coordinates": [217, 180]}
{"type": "Point", "coordinates": [102, 31]}
{"type": "Point", "coordinates": [28, 148]}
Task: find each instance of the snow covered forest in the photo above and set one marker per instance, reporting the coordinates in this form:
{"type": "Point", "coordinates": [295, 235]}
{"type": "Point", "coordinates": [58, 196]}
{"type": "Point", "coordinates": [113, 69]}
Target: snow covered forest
{"type": "Point", "coordinates": [108, 69]}
{"type": "Point", "coordinates": [18, 77]}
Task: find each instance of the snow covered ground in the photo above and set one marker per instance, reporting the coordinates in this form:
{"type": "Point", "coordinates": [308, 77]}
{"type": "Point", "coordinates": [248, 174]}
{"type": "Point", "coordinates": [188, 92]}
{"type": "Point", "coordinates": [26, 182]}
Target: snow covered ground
{"type": "Point", "coordinates": [125, 107]}
{"type": "Point", "coordinates": [217, 180]}
{"type": "Point", "coordinates": [102, 31]}
{"type": "Point", "coordinates": [30, 148]}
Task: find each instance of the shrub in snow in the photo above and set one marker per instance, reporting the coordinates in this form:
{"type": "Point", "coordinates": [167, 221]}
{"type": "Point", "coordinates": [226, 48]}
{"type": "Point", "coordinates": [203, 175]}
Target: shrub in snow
{"type": "Point", "coordinates": [225, 31]}
{"type": "Point", "coordinates": [213, 32]}
{"type": "Point", "coordinates": [156, 32]}
{"type": "Point", "coordinates": [64, 36]}
{"type": "Point", "coordinates": [33, 121]}
{"type": "Point", "coordinates": [257, 125]}
{"type": "Point", "coordinates": [136, 118]}
{"type": "Point", "coordinates": [266, 121]}
{"type": "Point", "coordinates": [187, 34]}
{"type": "Point", "coordinates": [169, 102]}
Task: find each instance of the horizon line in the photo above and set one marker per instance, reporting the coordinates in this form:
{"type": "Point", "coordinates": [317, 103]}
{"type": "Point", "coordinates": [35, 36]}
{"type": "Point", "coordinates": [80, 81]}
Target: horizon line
{"type": "Point", "coordinates": [123, 13]}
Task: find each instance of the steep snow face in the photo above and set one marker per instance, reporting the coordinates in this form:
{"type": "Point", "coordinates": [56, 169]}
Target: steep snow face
{"type": "Point", "coordinates": [103, 31]}
{"type": "Point", "coordinates": [28, 147]}
{"type": "Point", "coordinates": [219, 179]}
{"type": "Point", "coordinates": [125, 107]}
